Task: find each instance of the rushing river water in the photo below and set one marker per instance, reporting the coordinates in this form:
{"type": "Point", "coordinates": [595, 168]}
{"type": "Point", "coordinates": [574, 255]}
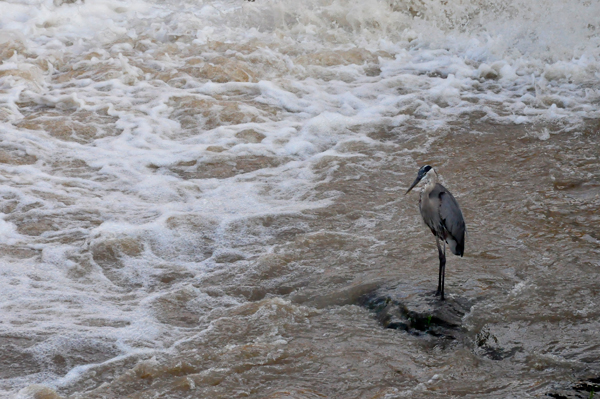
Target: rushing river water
{"type": "Point", "coordinates": [197, 196]}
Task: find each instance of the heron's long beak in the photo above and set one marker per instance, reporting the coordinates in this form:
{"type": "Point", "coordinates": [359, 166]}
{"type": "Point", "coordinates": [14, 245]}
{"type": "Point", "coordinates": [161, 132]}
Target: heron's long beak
{"type": "Point", "coordinates": [417, 180]}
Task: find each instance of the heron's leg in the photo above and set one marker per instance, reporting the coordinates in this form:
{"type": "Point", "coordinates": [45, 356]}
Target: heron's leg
{"type": "Point", "coordinates": [443, 267]}
{"type": "Point", "coordinates": [442, 256]}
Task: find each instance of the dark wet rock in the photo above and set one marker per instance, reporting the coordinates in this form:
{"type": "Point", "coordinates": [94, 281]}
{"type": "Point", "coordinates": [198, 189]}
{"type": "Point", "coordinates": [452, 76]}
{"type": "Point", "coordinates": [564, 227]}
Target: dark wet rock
{"type": "Point", "coordinates": [582, 390]}
{"type": "Point", "coordinates": [423, 314]}
{"type": "Point", "coordinates": [486, 344]}
{"type": "Point", "coordinates": [418, 312]}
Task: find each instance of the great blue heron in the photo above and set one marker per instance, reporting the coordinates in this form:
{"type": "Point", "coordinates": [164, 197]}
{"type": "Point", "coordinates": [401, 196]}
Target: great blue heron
{"type": "Point", "coordinates": [442, 215]}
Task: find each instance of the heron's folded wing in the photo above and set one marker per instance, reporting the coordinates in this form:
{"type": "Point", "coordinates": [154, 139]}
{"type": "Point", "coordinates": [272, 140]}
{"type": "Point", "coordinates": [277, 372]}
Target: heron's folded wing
{"type": "Point", "coordinates": [452, 218]}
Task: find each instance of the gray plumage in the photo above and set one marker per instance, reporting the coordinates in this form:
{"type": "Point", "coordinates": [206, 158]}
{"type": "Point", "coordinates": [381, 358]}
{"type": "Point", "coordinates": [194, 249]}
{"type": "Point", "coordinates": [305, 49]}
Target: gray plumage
{"type": "Point", "coordinates": [442, 214]}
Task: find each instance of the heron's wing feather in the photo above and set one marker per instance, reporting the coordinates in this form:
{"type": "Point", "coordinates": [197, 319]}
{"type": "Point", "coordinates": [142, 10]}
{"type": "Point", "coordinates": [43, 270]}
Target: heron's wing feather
{"type": "Point", "coordinates": [451, 217]}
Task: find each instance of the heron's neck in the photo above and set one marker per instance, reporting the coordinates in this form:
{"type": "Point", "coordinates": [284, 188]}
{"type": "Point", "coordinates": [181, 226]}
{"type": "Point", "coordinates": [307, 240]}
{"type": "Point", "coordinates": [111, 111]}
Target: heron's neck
{"type": "Point", "coordinates": [432, 179]}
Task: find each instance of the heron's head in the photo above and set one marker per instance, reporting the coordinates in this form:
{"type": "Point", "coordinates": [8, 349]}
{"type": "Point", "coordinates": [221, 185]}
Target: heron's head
{"type": "Point", "coordinates": [423, 171]}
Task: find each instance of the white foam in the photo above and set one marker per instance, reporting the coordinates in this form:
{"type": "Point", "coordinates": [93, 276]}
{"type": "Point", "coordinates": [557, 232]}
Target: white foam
{"type": "Point", "coordinates": [313, 76]}
{"type": "Point", "coordinates": [8, 232]}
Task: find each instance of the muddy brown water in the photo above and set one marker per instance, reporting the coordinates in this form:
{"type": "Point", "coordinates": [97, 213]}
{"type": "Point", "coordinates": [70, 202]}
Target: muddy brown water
{"type": "Point", "coordinates": [529, 277]}
{"type": "Point", "coordinates": [206, 199]}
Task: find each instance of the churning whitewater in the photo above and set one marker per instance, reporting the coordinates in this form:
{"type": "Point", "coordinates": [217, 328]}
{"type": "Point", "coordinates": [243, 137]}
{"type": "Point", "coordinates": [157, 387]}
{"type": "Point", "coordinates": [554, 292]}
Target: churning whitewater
{"type": "Point", "coordinates": [196, 197]}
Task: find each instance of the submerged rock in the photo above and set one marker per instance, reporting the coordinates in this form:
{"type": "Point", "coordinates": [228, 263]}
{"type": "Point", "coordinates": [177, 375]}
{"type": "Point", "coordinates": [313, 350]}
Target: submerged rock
{"type": "Point", "coordinates": [582, 390]}
{"type": "Point", "coordinates": [418, 312]}
{"type": "Point", "coordinates": [422, 313]}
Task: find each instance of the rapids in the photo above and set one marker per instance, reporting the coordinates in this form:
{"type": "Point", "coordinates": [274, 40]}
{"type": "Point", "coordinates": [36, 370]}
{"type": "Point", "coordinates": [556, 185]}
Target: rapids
{"type": "Point", "coordinates": [197, 196]}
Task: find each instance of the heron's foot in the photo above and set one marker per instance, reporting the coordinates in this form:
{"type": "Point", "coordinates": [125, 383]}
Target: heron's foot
{"type": "Point", "coordinates": [438, 292]}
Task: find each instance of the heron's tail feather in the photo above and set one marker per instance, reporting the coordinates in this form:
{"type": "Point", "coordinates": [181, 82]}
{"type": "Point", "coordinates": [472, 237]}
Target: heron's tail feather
{"type": "Point", "coordinates": [457, 248]}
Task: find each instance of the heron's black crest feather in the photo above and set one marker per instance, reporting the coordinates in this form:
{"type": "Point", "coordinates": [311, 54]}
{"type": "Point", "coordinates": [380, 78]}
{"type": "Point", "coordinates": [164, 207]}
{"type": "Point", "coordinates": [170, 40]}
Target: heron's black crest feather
{"type": "Point", "coordinates": [423, 171]}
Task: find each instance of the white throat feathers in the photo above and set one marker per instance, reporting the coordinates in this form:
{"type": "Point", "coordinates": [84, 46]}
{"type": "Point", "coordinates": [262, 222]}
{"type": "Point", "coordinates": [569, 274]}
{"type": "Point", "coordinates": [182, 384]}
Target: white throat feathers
{"type": "Point", "coordinates": [431, 178]}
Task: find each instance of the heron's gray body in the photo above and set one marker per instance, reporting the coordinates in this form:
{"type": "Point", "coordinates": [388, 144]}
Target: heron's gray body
{"type": "Point", "coordinates": [442, 214]}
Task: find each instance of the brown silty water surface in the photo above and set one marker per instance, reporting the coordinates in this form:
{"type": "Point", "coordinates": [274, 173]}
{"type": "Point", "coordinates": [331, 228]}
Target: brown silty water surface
{"type": "Point", "coordinates": [530, 270]}
{"type": "Point", "coordinates": [207, 201]}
